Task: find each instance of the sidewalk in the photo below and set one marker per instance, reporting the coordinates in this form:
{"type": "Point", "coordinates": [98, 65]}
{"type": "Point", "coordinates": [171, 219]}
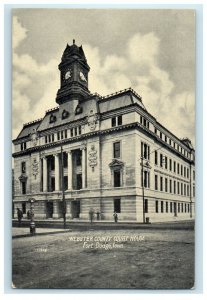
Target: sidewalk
{"type": "Point", "coordinates": [18, 232]}
{"type": "Point", "coordinates": [55, 226]}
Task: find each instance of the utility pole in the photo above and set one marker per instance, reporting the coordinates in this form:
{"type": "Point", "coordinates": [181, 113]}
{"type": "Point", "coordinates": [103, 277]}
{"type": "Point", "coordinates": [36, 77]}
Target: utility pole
{"type": "Point", "coordinates": [143, 204]}
{"type": "Point", "coordinates": [63, 190]}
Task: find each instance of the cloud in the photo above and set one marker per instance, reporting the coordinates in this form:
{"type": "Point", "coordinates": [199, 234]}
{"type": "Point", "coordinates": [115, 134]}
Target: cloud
{"type": "Point", "coordinates": [19, 33]}
{"type": "Point", "coordinates": [35, 85]}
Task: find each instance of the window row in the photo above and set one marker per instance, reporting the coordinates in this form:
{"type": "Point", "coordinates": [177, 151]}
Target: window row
{"type": "Point", "coordinates": [168, 163]}
{"type": "Point", "coordinates": [172, 186]}
{"type": "Point", "coordinates": [172, 143]}
{"type": "Point", "coordinates": [63, 134]}
{"type": "Point", "coordinates": [144, 122]}
{"type": "Point", "coordinates": [171, 207]}
{"type": "Point", "coordinates": [165, 138]}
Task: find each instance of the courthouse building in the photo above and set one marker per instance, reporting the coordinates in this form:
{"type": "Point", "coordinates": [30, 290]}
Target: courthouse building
{"type": "Point", "coordinates": [102, 153]}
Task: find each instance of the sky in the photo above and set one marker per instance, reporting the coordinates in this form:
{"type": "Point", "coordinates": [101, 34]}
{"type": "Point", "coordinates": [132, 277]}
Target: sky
{"type": "Point", "coordinates": [152, 51]}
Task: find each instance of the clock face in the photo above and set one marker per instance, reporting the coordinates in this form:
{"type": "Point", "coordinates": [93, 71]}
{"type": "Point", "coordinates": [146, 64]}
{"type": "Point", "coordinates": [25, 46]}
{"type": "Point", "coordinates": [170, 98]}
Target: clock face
{"type": "Point", "coordinates": [82, 76]}
{"type": "Point", "coordinates": [68, 75]}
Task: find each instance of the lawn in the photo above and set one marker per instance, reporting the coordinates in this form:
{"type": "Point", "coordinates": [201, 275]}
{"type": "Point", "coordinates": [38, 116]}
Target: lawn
{"type": "Point", "coordinates": [142, 259]}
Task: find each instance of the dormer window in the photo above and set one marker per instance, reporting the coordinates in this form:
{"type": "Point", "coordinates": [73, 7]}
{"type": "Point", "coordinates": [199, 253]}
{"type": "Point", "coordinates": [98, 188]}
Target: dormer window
{"type": "Point", "coordinates": [53, 118]}
{"type": "Point", "coordinates": [78, 110]}
{"type": "Point", "coordinates": [65, 114]}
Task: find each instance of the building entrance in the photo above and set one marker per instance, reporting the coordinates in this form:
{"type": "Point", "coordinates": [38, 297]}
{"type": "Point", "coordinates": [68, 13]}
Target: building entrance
{"type": "Point", "coordinates": [75, 209]}
{"type": "Point", "coordinates": [49, 210]}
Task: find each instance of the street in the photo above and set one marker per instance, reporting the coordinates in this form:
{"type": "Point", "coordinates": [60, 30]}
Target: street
{"type": "Point", "coordinates": [143, 259]}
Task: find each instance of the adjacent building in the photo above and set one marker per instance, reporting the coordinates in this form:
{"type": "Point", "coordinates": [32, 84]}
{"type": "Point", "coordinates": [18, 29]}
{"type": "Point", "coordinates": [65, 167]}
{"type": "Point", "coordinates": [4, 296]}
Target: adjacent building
{"type": "Point", "coordinates": [107, 153]}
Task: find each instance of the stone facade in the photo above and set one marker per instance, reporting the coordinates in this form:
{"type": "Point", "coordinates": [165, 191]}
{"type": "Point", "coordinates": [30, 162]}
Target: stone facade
{"type": "Point", "coordinates": [98, 153]}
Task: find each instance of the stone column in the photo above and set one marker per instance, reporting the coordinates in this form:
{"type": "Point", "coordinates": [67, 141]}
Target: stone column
{"type": "Point", "coordinates": [44, 174]}
{"type": "Point", "coordinates": [70, 170]}
{"type": "Point", "coordinates": [57, 172]}
{"type": "Point", "coordinates": [83, 167]}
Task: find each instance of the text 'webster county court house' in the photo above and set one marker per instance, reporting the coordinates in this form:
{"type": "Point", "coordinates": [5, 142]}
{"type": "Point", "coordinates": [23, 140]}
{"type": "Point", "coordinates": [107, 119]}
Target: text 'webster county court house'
{"type": "Point", "coordinates": [107, 153]}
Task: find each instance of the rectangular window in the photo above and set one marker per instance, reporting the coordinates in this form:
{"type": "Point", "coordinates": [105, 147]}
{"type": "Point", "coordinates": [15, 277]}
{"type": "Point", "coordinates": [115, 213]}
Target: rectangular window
{"type": "Point", "coordinates": [146, 179]}
{"type": "Point", "coordinates": [181, 187]}
{"type": "Point", "coordinates": [193, 191]}
{"type": "Point", "coordinates": [79, 130]}
{"type": "Point", "coordinates": [53, 137]}
{"type": "Point", "coordinates": [166, 207]}
{"type": "Point", "coordinates": [170, 142]}
{"type": "Point", "coordinates": [162, 207]}
{"type": "Point", "coordinates": [49, 138]}
{"type": "Point", "coordinates": [178, 207]}
{"type": "Point", "coordinates": [178, 184]}
{"type": "Point", "coordinates": [184, 189]}
{"type": "Point", "coordinates": [156, 207]}
{"type": "Point", "coordinates": [187, 173]}
{"type": "Point", "coordinates": [171, 210]}
{"type": "Point", "coordinates": [61, 134]}
{"type": "Point", "coordinates": [175, 209]}
{"type": "Point", "coordinates": [119, 120]}
{"type": "Point", "coordinates": [161, 135]}
{"type": "Point", "coordinates": [66, 134]}
{"type": "Point", "coordinates": [155, 157]}
{"type": "Point", "coordinates": [165, 138]}
{"type": "Point", "coordinates": [71, 133]}
{"type": "Point", "coordinates": [166, 185]}
{"type": "Point", "coordinates": [170, 186]}
{"type": "Point", "coordinates": [23, 187]}
{"type": "Point", "coordinates": [188, 207]}
{"type": "Point", "coordinates": [23, 167]}
{"type": "Point", "coordinates": [170, 162]}
{"type": "Point", "coordinates": [58, 135]}
{"type": "Point", "coordinates": [156, 183]}
{"type": "Point", "coordinates": [181, 170]}
{"type": "Point", "coordinates": [161, 184]}
{"type": "Point", "coordinates": [145, 122]}
{"type": "Point", "coordinates": [145, 151]}
{"type": "Point", "coordinates": [174, 167]}
{"type": "Point", "coordinates": [161, 160]}
{"type": "Point", "coordinates": [146, 205]}
{"type": "Point", "coordinates": [117, 178]}
{"type": "Point", "coordinates": [178, 168]}
{"type": "Point", "coordinates": [187, 190]}
{"type": "Point", "coordinates": [141, 119]}
{"type": "Point", "coordinates": [113, 122]}
{"type": "Point", "coordinates": [76, 131]}
{"type": "Point", "coordinates": [155, 130]}
{"type": "Point", "coordinates": [117, 205]}
{"type": "Point", "coordinates": [165, 162]}
{"type": "Point", "coordinates": [184, 171]}
{"type": "Point", "coordinates": [193, 175]}
{"type": "Point", "coordinates": [174, 187]}
{"type": "Point", "coordinates": [116, 150]}
{"type": "Point", "coordinates": [45, 140]}
{"type": "Point", "coordinates": [185, 208]}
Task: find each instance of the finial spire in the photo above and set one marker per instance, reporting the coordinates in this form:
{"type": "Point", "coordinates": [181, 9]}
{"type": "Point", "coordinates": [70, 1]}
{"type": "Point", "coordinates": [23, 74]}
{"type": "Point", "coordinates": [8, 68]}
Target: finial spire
{"type": "Point", "coordinates": [73, 41]}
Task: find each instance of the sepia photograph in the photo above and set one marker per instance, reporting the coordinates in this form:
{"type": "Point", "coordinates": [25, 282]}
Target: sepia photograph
{"type": "Point", "coordinates": [103, 148]}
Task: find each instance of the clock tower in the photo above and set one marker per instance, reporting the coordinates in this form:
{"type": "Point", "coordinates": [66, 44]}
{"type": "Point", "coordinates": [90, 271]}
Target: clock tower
{"type": "Point", "coordinates": [73, 75]}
